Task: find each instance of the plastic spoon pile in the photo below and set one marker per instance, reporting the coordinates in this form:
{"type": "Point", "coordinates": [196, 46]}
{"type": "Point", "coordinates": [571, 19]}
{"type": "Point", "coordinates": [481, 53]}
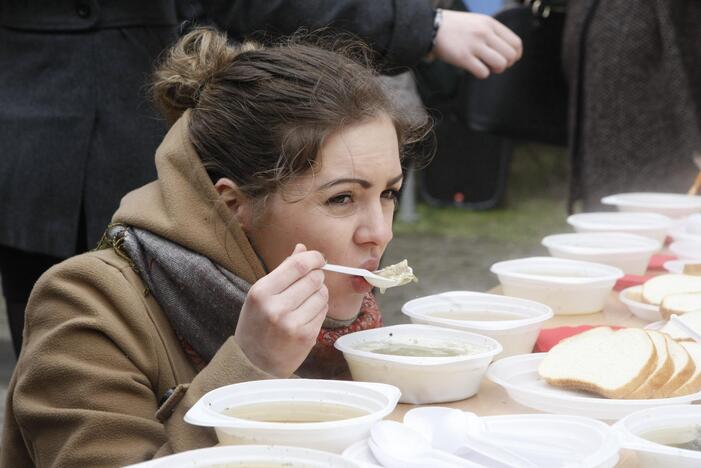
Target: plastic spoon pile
{"type": "Point", "coordinates": [398, 446]}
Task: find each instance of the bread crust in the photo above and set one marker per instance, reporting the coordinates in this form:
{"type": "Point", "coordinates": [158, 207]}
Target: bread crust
{"type": "Point", "coordinates": [678, 379]}
{"type": "Point", "coordinates": [659, 376]}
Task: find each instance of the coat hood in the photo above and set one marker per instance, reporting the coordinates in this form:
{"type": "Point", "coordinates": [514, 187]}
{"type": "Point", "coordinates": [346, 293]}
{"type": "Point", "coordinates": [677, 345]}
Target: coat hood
{"type": "Point", "coordinates": [183, 207]}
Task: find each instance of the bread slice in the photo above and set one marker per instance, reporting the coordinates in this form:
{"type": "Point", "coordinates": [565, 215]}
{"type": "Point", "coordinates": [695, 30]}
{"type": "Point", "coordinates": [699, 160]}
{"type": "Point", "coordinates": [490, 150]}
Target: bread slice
{"type": "Point", "coordinates": [692, 269]}
{"type": "Point", "coordinates": [692, 319]}
{"type": "Point", "coordinates": [680, 304]}
{"type": "Point", "coordinates": [655, 289]}
{"type": "Point", "coordinates": [693, 384]}
{"type": "Point", "coordinates": [661, 374]}
{"type": "Point", "coordinates": [684, 368]}
{"type": "Point", "coordinates": [602, 361]}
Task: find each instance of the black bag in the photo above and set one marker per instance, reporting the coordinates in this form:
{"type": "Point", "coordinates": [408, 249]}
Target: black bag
{"type": "Point", "coordinates": [470, 168]}
{"type": "Point", "coordinates": [529, 100]}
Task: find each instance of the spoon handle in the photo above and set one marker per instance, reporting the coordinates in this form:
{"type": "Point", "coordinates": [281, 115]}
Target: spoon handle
{"type": "Point", "coordinates": [344, 269]}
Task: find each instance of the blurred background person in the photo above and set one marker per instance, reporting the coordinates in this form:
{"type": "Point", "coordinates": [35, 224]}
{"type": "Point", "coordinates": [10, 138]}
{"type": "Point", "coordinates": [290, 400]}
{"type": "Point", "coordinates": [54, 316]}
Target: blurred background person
{"type": "Point", "coordinates": [76, 132]}
{"type": "Point", "coordinates": [634, 70]}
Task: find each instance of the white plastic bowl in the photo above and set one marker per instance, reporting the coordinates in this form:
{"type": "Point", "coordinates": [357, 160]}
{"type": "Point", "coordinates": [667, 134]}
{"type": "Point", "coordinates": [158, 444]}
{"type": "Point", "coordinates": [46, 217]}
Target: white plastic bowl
{"type": "Point", "coordinates": [516, 335]}
{"type": "Point", "coordinates": [421, 379]}
{"type": "Point", "coordinates": [632, 299]}
{"type": "Point", "coordinates": [629, 252]}
{"type": "Point", "coordinates": [252, 455]}
{"type": "Point", "coordinates": [568, 286]}
{"type": "Point", "coordinates": [674, 205]}
{"type": "Point", "coordinates": [375, 400]}
{"type": "Point", "coordinates": [652, 225]}
{"type": "Point", "coordinates": [651, 454]}
{"type": "Point", "coordinates": [686, 249]}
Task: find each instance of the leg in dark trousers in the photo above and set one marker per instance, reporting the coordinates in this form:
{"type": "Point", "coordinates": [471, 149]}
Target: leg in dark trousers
{"type": "Point", "coordinates": [20, 270]}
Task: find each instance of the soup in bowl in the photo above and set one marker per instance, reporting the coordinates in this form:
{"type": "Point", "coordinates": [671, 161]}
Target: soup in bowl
{"type": "Point", "coordinates": [428, 364]}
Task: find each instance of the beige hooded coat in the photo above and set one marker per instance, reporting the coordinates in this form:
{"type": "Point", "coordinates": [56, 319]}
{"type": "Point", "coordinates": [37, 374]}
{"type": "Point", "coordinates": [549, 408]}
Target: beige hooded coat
{"type": "Point", "coordinates": [99, 353]}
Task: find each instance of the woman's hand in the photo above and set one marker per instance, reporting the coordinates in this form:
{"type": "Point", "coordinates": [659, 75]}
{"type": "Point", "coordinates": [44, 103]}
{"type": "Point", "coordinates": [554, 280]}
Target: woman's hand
{"type": "Point", "coordinates": [478, 43]}
{"type": "Point", "coordinates": [283, 313]}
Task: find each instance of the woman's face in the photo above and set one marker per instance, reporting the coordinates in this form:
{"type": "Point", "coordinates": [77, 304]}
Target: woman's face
{"type": "Point", "coordinates": [343, 209]}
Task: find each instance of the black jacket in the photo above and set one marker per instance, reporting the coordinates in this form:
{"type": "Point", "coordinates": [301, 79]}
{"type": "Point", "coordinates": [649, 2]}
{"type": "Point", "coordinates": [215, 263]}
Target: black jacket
{"type": "Point", "coordinates": [77, 131]}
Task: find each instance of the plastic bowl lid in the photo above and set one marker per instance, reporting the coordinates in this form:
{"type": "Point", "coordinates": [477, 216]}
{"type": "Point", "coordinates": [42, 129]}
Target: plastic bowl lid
{"type": "Point", "coordinates": [529, 312]}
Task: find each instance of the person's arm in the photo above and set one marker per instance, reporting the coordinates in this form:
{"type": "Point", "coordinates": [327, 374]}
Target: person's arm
{"type": "Point", "coordinates": [400, 31]}
{"type": "Point", "coordinates": [87, 383]}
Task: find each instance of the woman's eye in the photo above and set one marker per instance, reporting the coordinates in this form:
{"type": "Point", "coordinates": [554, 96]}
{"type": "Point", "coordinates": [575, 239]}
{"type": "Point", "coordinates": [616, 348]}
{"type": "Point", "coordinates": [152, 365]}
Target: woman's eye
{"type": "Point", "coordinates": [343, 199]}
{"type": "Point", "coordinates": [391, 194]}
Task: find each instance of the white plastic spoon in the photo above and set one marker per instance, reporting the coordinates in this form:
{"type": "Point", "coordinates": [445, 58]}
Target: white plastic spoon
{"type": "Point", "coordinates": [684, 326]}
{"type": "Point", "coordinates": [370, 277]}
{"type": "Point", "coordinates": [398, 446]}
{"type": "Point", "coordinates": [464, 434]}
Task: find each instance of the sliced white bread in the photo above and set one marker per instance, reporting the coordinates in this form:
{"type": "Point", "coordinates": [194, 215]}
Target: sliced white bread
{"type": "Point", "coordinates": [602, 361]}
{"type": "Point", "coordinates": [693, 384]}
{"type": "Point", "coordinates": [655, 289]}
{"type": "Point", "coordinates": [692, 319]}
{"type": "Point", "coordinates": [684, 367]}
{"type": "Point", "coordinates": [661, 374]}
{"type": "Point", "coordinates": [680, 304]}
{"type": "Point", "coordinates": [692, 269]}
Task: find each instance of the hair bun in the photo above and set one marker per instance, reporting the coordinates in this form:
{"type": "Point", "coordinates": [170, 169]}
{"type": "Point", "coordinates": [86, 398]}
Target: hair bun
{"type": "Point", "coordinates": [187, 68]}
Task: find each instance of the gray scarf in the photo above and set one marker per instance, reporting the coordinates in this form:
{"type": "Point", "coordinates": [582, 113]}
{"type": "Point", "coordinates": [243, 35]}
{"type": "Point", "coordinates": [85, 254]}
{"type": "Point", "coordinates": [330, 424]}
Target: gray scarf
{"type": "Point", "coordinates": [201, 299]}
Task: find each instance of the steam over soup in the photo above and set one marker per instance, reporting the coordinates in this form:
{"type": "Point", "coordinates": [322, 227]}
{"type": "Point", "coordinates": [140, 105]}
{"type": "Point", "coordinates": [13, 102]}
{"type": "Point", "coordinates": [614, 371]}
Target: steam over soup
{"type": "Point", "coordinates": [415, 349]}
{"type": "Point", "coordinates": [295, 412]}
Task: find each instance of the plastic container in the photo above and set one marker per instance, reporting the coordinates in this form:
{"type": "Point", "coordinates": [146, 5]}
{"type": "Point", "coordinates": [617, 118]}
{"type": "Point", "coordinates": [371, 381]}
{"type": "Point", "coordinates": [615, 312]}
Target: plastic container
{"type": "Point", "coordinates": [518, 375]}
{"type": "Point", "coordinates": [567, 286]}
{"type": "Point", "coordinates": [666, 422]}
{"type": "Point", "coordinates": [629, 252]}
{"type": "Point", "coordinates": [632, 299]}
{"type": "Point", "coordinates": [549, 441]}
{"type": "Point", "coordinates": [652, 225]}
{"type": "Point", "coordinates": [686, 249]}
{"type": "Point", "coordinates": [674, 205]}
{"type": "Point", "coordinates": [296, 400]}
{"type": "Point", "coordinates": [515, 322]}
{"type": "Point", "coordinates": [246, 456]}
{"type": "Point", "coordinates": [687, 229]}
{"type": "Point", "coordinates": [421, 379]}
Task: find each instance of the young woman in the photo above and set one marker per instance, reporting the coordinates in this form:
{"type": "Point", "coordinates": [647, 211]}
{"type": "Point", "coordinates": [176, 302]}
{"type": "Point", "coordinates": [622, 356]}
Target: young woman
{"type": "Point", "coordinates": [278, 160]}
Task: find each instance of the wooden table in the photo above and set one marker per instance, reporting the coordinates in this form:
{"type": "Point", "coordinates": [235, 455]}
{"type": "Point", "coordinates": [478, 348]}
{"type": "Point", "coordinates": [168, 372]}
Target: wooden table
{"type": "Point", "coordinates": [493, 400]}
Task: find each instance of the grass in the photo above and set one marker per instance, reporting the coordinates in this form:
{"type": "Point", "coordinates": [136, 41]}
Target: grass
{"type": "Point", "coordinates": [534, 203]}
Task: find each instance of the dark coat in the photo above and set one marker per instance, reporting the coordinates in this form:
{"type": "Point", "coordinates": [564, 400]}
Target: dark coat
{"type": "Point", "coordinates": [76, 129]}
{"type": "Point", "coordinates": [634, 68]}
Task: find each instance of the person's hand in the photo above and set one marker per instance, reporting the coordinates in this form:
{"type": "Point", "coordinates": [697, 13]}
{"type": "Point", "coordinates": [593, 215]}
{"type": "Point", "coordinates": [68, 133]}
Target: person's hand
{"type": "Point", "coordinates": [283, 313]}
{"type": "Point", "coordinates": [478, 43]}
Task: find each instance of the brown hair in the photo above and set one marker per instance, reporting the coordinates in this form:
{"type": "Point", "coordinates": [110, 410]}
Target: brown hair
{"type": "Point", "coordinates": [259, 115]}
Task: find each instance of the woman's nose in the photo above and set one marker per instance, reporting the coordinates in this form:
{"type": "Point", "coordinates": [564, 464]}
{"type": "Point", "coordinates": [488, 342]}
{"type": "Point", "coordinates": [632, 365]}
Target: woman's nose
{"type": "Point", "coordinates": [375, 226]}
